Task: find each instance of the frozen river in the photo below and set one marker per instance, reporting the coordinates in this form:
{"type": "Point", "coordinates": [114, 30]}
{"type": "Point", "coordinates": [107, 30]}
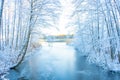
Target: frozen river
{"type": "Point", "coordinates": [58, 61]}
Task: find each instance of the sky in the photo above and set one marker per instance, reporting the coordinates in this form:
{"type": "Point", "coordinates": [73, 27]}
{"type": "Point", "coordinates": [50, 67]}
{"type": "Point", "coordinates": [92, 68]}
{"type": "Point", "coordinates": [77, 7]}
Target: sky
{"type": "Point", "coordinates": [67, 9]}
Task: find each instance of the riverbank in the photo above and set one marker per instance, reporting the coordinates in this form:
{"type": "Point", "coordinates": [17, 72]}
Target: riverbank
{"type": "Point", "coordinates": [59, 61]}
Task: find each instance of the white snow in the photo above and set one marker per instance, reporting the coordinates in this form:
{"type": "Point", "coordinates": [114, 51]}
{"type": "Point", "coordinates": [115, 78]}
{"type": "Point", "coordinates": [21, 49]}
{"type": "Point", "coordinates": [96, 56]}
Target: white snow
{"type": "Point", "coordinates": [7, 59]}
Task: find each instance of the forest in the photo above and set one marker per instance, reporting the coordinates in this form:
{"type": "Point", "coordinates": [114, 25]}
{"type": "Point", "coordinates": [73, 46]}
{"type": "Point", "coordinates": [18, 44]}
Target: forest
{"type": "Point", "coordinates": [93, 24]}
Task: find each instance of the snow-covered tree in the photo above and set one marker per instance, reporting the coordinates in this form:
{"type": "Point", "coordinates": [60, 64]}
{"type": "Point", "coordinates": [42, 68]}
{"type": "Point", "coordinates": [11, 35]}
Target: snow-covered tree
{"type": "Point", "coordinates": [98, 24]}
{"type": "Point", "coordinates": [18, 19]}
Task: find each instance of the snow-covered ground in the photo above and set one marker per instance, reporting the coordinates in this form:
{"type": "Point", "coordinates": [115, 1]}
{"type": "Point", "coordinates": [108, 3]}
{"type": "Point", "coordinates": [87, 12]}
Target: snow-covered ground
{"type": "Point", "coordinates": [7, 59]}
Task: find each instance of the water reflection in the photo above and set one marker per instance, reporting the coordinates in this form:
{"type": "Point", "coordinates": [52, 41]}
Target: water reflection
{"type": "Point", "coordinates": [58, 63]}
{"type": "Point", "coordinates": [87, 71]}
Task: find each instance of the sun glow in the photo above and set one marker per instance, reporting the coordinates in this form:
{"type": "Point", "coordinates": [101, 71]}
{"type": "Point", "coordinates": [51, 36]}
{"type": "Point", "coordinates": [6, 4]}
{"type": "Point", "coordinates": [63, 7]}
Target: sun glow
{"type": "Point", "coordinates": [67, 9]}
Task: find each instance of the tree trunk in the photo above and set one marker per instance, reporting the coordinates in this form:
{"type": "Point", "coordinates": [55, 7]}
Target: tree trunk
{"type": "Point", "coordinates": [24, 49]}
{"type": "Point", "coordinates": [1, 12]}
